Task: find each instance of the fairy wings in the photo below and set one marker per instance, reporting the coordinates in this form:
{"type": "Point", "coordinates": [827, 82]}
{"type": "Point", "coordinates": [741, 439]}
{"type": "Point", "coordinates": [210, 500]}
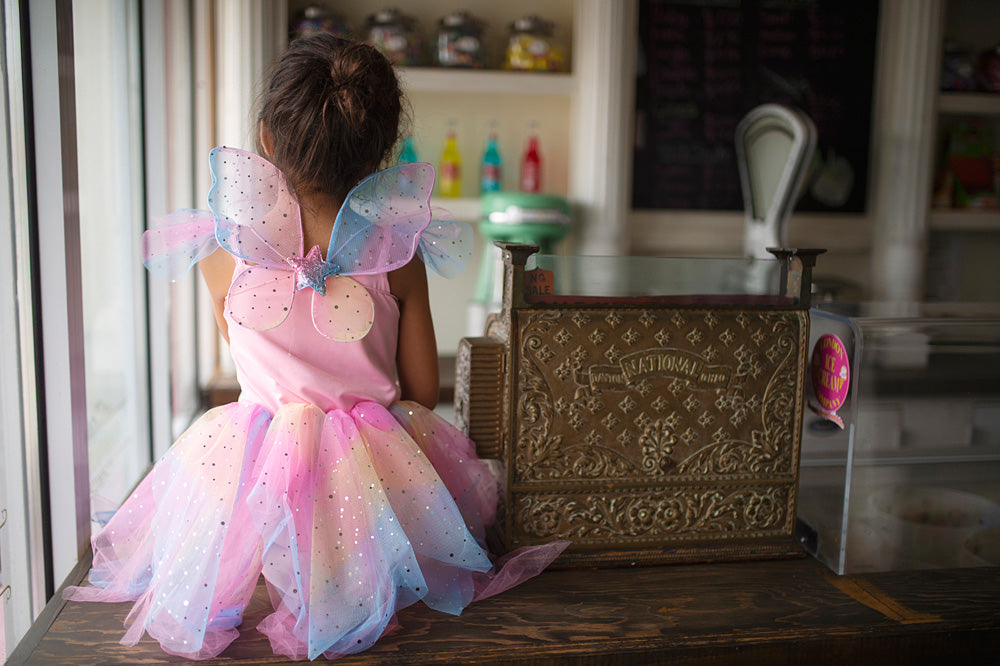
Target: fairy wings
{"type": "Point", "coordinates": [383, 222]}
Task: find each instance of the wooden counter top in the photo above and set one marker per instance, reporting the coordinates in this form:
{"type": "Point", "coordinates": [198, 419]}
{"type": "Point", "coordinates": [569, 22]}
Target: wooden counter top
{"type": "Point", "coordinates": [779, 612]}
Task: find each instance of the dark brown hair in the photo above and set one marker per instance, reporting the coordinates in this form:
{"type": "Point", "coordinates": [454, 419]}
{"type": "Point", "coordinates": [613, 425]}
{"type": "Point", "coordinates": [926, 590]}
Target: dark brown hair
{"type": "Point", "coordinates": [333, 109]}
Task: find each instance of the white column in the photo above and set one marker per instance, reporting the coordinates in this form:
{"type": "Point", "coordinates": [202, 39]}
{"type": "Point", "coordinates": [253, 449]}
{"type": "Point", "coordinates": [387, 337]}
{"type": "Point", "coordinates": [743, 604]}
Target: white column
{"type": "Point", "coordinates": [903, 145]}
{"type": "Point", "coordinates": [247, 39]}
{"type": "Point", "coordinates": [604, 51]}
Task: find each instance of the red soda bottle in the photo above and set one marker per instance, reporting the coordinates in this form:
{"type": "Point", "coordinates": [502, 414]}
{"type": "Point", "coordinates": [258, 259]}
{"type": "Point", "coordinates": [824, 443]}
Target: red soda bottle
{"type": "Point", "coordinates": [531, 167]}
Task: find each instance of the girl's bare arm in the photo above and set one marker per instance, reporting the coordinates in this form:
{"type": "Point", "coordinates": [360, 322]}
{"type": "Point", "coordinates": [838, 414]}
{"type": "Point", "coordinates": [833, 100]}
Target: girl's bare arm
{"type": "Point", "coordinates": [416, 352]}
{"type": "Point", "coordinates": [217, 270]}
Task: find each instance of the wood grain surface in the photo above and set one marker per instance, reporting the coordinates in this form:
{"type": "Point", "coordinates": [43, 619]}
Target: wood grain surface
{"type": "Point", "coordinates": [779, 612]}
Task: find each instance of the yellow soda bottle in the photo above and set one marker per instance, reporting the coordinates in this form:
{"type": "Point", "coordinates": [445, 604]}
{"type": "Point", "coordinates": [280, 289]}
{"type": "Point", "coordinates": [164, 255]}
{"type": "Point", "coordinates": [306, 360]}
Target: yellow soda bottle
{"type": "Point", "coordinates": [450, 172]}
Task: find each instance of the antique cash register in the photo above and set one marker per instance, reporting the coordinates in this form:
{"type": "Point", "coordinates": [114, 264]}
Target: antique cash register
{"type": "Point", "coordinates": [647, 410]}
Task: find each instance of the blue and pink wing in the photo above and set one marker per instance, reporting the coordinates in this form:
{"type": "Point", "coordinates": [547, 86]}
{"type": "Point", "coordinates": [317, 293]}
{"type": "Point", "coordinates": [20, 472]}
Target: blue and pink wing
{"type": "Point", "coordinates": [257, 217]}
{"type": "Point", "coordinates": [446, 247]}
{"type": "Point", "coordinates": [379, 225]}
{"type": "Point", "coordinates": [178, 241]}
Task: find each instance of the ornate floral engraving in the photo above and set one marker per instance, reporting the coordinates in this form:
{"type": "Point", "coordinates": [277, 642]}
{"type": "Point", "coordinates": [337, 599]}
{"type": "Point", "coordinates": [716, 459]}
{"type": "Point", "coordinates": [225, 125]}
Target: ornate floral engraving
{"type": "Point", "coordinates": [647, 318]}
{"type": "Point", "coordinates": [659, 438]}
{"type": "Point", "coordinates": [657, 442]}
{"type": "Point", "coordinates": [544, 354]}
{"type": "Point", "coordinates": [630, 337]}
{"type": "Point", "coordinates": [683, 513]}
{"type": "Point", "coordinates": [613, 354]}
{"type": "Point", "coordinates": [730, 407]}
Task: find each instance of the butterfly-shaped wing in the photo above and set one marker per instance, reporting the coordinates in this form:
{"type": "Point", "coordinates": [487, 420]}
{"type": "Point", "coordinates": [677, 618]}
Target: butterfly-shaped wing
{"type": "Point", "coordinates": [261, 296]}
{"type": "Point", "coordinates": [346, 313]}
{"type": "Point", "coordinates": [380, 223]}
{"type": "Point", "coordinates": [178, 241]}
{"type": "Point", "coordinates": [446, 247]}
{"type": "Point", "coordinates": [257, 217]}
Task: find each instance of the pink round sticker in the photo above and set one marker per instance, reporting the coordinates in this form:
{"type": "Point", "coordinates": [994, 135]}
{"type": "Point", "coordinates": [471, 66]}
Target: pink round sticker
{"type": "Point", "coordinates": [830, 373]}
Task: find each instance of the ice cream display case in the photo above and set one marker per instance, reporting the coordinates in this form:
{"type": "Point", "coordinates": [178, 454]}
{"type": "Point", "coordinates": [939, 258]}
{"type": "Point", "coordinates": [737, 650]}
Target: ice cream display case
{"type": "Point", "coordinates": [645, 409]}
{"type": "Point", "coordinates": [901, 437]}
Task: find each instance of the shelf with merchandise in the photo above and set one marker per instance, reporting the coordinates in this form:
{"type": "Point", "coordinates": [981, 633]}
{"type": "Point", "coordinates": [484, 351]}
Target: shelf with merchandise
{"type": "Point", "coordinates": [956, 109]}
{"type": "Point", "coordinates": [969, 104]}
{"type": "Point", "coordinates": [489, 81]}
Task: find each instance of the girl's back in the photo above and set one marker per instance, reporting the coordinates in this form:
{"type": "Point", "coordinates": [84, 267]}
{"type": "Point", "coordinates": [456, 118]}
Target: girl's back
{"type": "Point", "coordinates": [294, 363]}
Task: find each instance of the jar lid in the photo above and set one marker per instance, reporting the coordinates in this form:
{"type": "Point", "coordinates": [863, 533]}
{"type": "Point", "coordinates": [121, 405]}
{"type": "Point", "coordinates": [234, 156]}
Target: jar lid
{"type": "Point", "coordinates": [390, 16]}
{"type": "Point", "coordinates": [532, 24]}
{"type": "Point", "coordinates": [460, 19]}
{"type": "Point", "coordinates": [316, 11]}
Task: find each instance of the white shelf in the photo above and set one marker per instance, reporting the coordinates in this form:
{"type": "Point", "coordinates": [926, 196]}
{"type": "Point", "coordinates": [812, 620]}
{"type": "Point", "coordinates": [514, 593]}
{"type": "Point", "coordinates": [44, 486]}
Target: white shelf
{"type": "Point", "coordinates": [965, 220]}
{"type": "Point", "coordinates": [441, 79]}
{"type": "Point", "coordinates": [974, 104]}
{"type": "Point", "coordinates": [463, 209]}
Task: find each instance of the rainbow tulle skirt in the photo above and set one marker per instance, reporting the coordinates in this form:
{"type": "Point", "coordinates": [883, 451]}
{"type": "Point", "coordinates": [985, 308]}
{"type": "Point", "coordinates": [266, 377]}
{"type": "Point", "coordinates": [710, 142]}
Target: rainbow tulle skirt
{"type": "Point", "coordinates": [349, 515]}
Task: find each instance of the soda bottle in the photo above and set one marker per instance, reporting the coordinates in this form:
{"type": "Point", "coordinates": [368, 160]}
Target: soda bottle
{"type": "Point", "coordinates": [491, 174]}
{"type": "Point", "coordinates": [450, 175]}
{"type": "Point", "coordinates": [531, 167]}
{"type": "Point", "coordinates": [408, 154]}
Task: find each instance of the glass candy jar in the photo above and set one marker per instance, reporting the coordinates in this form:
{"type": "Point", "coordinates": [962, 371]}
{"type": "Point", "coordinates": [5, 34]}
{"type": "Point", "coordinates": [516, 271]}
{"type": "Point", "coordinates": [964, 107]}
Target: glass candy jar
{"type": "Point", "coordinates": [316, 19]}
{"type": "Point", "coordinates": [531, 46]}
{"type": "Point", "coordinates": [395, 35]}
{"type": "Point", "coordinates": [460, 42]}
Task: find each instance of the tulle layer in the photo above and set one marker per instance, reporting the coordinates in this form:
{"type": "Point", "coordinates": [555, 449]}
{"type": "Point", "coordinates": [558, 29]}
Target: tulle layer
{"type": "Point", "coordinates": [350, 516]}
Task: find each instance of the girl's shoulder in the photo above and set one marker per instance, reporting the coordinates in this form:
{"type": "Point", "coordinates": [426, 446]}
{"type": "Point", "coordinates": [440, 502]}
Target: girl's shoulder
{"type": "Point", "coordinates": [217, 270]}
{"type": "Point", "coordinates": [407, 280]}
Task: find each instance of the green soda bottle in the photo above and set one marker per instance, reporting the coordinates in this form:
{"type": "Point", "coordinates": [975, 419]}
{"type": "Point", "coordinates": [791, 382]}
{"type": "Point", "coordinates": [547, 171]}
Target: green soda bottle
{"type": "Point", "coordinates": [408, 155]}
{"type": "Point", "coordinates": [491, 179]}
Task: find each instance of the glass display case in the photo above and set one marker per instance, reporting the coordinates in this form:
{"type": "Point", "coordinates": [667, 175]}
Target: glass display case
{"type": "Point", "coordinates": [912, 480]}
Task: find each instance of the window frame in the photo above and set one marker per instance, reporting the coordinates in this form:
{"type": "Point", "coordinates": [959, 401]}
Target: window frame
{"type": "Point", "coordinates": [24, 578]}
{"type": "Point", "coordinates": [46, 540]}
{"type": "Point", "coordinates": [218, 50]}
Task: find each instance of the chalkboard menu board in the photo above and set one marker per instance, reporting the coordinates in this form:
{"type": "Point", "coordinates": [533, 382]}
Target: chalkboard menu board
{"type": "Point", "coordinates": [704, 64]}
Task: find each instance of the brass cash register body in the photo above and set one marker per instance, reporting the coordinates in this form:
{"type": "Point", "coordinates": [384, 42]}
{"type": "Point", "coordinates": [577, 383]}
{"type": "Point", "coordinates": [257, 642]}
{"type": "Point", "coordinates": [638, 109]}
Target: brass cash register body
{"type": "Point", "coordinates": [642, 429]}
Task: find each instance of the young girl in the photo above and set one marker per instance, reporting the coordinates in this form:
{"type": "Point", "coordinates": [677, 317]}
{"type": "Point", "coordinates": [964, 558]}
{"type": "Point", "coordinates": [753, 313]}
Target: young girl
{"type": "Point", "coordinates": [331, 475]}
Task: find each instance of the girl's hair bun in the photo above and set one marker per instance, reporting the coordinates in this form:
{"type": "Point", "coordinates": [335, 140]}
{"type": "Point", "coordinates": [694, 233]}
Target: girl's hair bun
{"type": "Point", "coordinates": [332, 111]}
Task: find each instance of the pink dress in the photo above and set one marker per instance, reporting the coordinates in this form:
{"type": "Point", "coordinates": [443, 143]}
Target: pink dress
{"type": "Point", "coordinates": [351, 504]}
